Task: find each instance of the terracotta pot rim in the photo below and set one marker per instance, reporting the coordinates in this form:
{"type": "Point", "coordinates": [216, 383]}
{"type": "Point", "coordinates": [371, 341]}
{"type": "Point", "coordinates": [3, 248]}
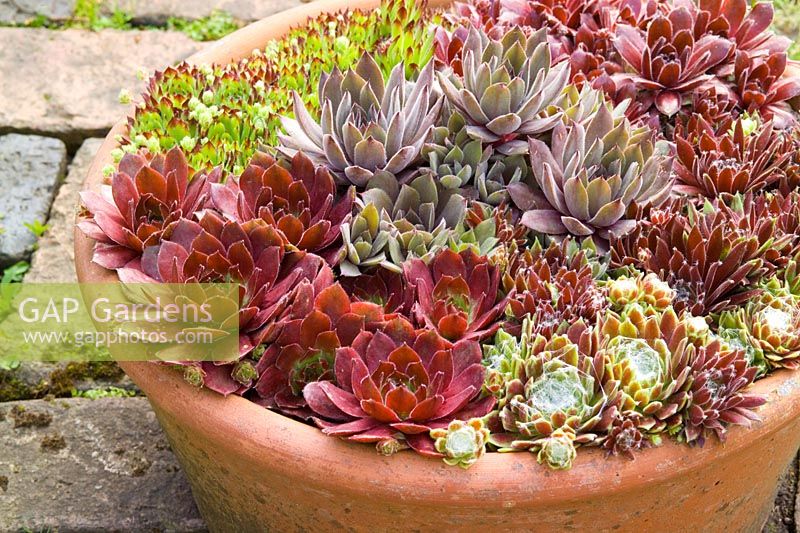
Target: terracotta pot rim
{"type": "Point", "coordinates": [250, 425]}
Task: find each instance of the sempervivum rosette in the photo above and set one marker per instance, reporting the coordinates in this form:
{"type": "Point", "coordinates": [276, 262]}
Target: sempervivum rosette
{"type": "Point", "coordinates": [732, 161]}
{"type": "Point", "coordinates": [368, 124]}
{"type": "Point", "coordinates": [298, 199]}
{"type": "Point", "coordinates": [647, 358]}
{"type": "Point", "coordinates": [712, 258]}
{"type": "Point", "coordinates": [717, 398]}
{"type": "Point", "coordinates": [456, 295]}
{"type": "Point", "coordinates": [769, 326]}
{"type": "Point", "coordinates": [506, 87]}
{"type": "Point", "coordinates": [552, 286]}
{"type": "Point", "coordinates": [553, 386]}
{"type": "Point", "coordinates": [144, 198]}
{"type": "Point", "coordinates": [399, 383]}
{"type": "Point", "coordinates": [667, 62]}
{"type": "Point", "coordinates": [252, 255]}
{"type": "Point", "coordinates": [318, 323]}
{"type": "Point", "coordinates": [592, 176]}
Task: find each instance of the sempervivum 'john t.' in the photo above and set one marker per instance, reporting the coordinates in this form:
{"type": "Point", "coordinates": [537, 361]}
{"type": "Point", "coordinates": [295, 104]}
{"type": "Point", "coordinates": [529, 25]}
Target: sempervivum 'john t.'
{"type": "Point", "coordinates": [315, 326]}
{"type": "Point", "coordinates": [592, 176]}
{"type": "Point", "coordinates": [298, 199]}
{"type": "Point", "coordinates": [397, 384]}
{"type": "Point", "coordinates": [368, 124]}
{"type": "Point", "coordinates": [145, 196]}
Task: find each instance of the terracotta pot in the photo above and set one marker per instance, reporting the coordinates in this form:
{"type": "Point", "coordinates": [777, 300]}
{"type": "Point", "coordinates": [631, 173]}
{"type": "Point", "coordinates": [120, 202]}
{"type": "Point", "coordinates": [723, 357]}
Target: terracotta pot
{"type": "Point", "coordinates": [251, 469]}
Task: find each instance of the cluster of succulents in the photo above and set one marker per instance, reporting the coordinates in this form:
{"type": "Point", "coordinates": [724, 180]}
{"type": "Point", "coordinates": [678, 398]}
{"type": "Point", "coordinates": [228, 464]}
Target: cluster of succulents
{"type": "Point", "coordinates": [516, 225]}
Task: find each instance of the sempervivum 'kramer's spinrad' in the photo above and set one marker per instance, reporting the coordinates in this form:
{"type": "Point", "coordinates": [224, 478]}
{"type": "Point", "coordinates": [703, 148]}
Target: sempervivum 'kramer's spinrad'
{"type": "Point", "coordinates": [733, 161]}
{"type": "Point", "coordinates": [647, 358]}
{"type": "Point", "coordinates": [554, 386]}
{"type": "Point", "coordinates": [592, 176]}
{"type": "Point", "coordinates": [368, 124]}
{"type": "Point", "coordinates": [717, 399]}
{"type": "Point", "coordinates": [506, 87]}
{"type": "Point", "coordinates": [400, 382]}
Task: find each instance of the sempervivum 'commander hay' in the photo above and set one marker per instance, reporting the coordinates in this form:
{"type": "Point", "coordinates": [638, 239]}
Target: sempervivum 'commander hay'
{"type": "Point", "coordinates": [316, 326]}
{"type": "Point", "coordinates": [253, 255]}
{"type": "Point", "coordinates": [506, 86]}
{"type": "Point", "coordinates": [144, 198]}
{"type": "Point", "coordinates": [667, 62]}
{"type": "Point", "coordinates": [738, 161]}
{"type": "Point", "coordinates": [368, 124]}
{"type": "Point", "coordinates": [456, 295]}
{"type": "Point", "coordinates": [299, 200]}
{"type": "Point", "coordinates": [400, 383]}
{"type": "Point", "coordinates": [591, 175]}
{"type": "Point", "coordinates": [717, 399]}
{"type": "Point", "coordinates": [647, 358]}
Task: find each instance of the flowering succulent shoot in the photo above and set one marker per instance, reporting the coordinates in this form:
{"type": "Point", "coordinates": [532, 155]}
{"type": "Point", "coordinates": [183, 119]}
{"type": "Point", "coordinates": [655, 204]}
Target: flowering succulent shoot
{"type": "Point", "coordinates": [517, 225]}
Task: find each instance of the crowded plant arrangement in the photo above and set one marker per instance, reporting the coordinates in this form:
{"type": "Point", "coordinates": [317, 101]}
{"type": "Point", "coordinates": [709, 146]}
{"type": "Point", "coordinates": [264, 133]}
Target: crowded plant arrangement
{"type": "Point", "coordinates": [513, 225]}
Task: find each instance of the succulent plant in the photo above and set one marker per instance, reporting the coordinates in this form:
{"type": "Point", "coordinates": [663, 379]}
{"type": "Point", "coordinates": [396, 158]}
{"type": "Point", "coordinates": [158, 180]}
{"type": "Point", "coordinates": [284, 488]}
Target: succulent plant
{"type": "Point", "coordinates": [420, 215]}
{"type": "Point", "coordinates": [625, 437]}
{"type": "Point", "coordinates": [591, 176]}
{"type": "Point", "coordinates": [553, 288]}
{"type": "Point", "coordinates": [299, 200]}
{"type": "Point", "coordinates": [216, 114]}
{"type": "Point", "coordinates": [456, 295]}
{"type": "Point", "coordinates": [762, 86]}
{"type": "Point", "coordinates": [383, 287]}
{"type": "Point", "coordinates": [711, 258]}
{"type": "Point", "coordinates": [461, 443]}
{"type": "Point", "coordinates": [144, 198]}
{"type": "Point", "coordinates": [368, 124]}
{"type": "Point", "coordinates": [558, 450]}
{"type": "Point", "coordinates": [667, 62]}
{"type": "Point", "coordinates": [506, 87]}
{"type": "Point", "coordinates": [460, 162]}
{"type": "Point", "coordinates": [769, 327]}
{"type": "Point", "coordinates": [555, 386]}
{"type": "Point", "coordinates": [318, 323]}
{"type": "Point", "coordinates": [252, 255]}
{"type": "Point", "coordinates": [645, 290]}
{"type": "Point", "coordinates": [734, 161]}
{"type": "Point", "coordinates": [400, 382]}
{"type": "Point", "coordinates": [717, 397]}
{"type": "Point", "coordinates": [647, 358]}
{"type": "Point", "coordinates": [746, 25]}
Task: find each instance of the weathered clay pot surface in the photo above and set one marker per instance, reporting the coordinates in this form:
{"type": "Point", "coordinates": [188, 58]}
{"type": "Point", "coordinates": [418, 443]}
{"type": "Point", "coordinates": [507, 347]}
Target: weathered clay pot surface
{"type": "Point", "coordinates": [252, 470]}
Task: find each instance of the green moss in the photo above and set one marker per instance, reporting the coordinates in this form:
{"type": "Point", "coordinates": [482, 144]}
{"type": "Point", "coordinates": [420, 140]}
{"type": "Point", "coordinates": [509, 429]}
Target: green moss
{"type": "Point", "coordinates": [23, 418]}
{"type": "Point", "coordinates": [53, 443]}
{"type": "Point", "coordinates": [62, 381]}
{"type": "Point", "coordinates": [104, 392]}
{"type": "Point", "coordinates": [215, 26]}
{"type": "Point", "coordinates": [12, 389]}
